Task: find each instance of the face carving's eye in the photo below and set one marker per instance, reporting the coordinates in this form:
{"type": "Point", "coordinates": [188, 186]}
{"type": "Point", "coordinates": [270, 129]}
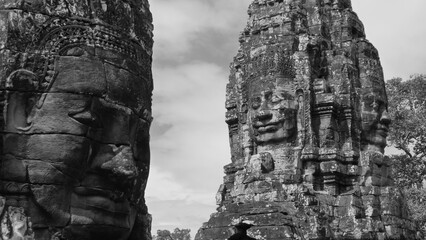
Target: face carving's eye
{"type": "Point", "coordinates": [375, 105]}
{"type": "Point", "coordinates": [87, 118]}
{"type": "Point", "coordinates": [288, 113]}
{"type": "Point", "coordinates": [268, 96]}
{"type": "Point", "coordinates": [256, 102]}
{"type": "Point", "coordinates": [276, 98]}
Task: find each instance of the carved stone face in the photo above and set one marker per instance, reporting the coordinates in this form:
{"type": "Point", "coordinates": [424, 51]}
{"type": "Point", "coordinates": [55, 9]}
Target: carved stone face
{"type": "Point", "coordinates": [273, 116]}
{"type": "Point", "coordinates": [86, 149]}
{"type": "Point", "coordinates": [375, 119]}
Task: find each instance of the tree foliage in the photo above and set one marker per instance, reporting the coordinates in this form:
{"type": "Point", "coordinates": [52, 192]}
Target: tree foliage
{"type": "Point", "coordinates": [417, 203]}
{"type": "Point", "coordinates": [407, 109]}
{"type": "Point", "coordinates": [177, 234]}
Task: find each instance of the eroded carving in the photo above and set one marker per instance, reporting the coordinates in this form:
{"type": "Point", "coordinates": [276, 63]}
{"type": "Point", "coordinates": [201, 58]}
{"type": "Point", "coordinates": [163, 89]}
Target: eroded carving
{"type": "Point", "coordinates": [375, 119]}
{"type": "Point", "coordinates": [75, 133]}
{"type": "Point", "coordinates": [274, 116]}
{"type": "Point", "coordinates": [307, 114]}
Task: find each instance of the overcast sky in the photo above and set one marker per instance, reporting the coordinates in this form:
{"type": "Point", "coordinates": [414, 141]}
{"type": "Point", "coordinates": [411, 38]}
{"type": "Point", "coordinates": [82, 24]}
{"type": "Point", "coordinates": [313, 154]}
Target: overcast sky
{"type": "Point", "coordinates": [195, 40]}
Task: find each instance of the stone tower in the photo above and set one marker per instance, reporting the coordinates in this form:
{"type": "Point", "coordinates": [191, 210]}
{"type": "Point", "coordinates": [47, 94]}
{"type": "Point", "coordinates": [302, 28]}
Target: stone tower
{"type": "Point", "coordinates": [307, 116]}
{"type": "Point", "coordinates": [75, 98]}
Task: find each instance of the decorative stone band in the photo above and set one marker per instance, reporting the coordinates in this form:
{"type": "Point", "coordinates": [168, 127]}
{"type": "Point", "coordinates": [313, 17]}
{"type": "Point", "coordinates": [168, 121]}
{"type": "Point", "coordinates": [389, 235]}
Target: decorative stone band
{"type": "Point", "coordinates": [9, 187]}
{"type": "Point", "coordinates": [59, 35]}
{"type": "Point", "coordinates": [56, 37]}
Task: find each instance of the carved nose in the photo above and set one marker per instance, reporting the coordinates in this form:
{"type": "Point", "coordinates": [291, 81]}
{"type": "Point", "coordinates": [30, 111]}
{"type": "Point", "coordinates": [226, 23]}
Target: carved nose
{"type": "Point", "coordinates": [122, 164]}
{"type": "Point", "coordinates": [384, 119]}
{"type": "Point", "coordinates": [263, 115]}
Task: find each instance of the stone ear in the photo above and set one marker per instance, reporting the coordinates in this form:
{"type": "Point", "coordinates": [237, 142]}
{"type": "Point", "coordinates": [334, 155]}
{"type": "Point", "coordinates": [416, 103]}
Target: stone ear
{"type": "Point", "coordinates": [22, 92]}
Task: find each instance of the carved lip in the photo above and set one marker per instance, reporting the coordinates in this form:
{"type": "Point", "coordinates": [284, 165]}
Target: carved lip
{"type": "Point", "coordinates": [90, 191]}
{"type": "Point", "coordinates": [107, 200]}
{"type": "Point", "coordinates": [383, 131]}
{"type": "Point", "coordinates": [267, 127]}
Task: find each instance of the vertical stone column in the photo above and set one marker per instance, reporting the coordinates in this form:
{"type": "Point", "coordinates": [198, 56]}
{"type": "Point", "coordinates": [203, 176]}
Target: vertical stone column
{"type": "Point", "coordinates": [75, 97]}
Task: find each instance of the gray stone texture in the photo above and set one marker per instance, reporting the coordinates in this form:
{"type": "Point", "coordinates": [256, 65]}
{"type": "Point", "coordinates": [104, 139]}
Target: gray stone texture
{"type": "Point", "coordinates": [75, 97]}
{"type": "Point", "coordinates": [307, 116]}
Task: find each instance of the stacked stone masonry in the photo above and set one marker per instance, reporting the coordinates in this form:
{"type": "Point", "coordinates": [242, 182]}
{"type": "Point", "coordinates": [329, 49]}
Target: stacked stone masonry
{"type": "Point", "coordinates": [307, 116]}
{"type": "Point", "coordinates": [75, 98]}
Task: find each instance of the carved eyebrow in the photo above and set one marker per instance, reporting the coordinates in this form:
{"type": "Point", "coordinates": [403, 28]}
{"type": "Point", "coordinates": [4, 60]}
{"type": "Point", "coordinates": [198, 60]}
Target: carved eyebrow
{"type": "Point", "coordinates": [285, 95]}
{"type": "Point", "coordinates": [256, 98]}
{"type": "Point", "coordinates": [268, 93]}
{"type": "Point", "coordinates": [278, 96]}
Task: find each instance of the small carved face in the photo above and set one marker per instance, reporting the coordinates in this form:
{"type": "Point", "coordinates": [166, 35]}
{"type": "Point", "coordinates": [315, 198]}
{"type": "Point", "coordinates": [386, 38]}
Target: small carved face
{"type": "Point", "coordinates": [273, 115]}
{"type": "Point", "coordinates": [87, 149]}
{"type": "Point", "coordinates": [375, 120]}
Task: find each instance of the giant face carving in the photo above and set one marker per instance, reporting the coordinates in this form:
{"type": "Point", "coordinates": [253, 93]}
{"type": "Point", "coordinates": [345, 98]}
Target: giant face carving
{"type": "Point", "coordinates": [273, 114]}
{"type": "Point", "coordinates": [375, 119]}
{"type": "Point", "coordinates": [83, 147]}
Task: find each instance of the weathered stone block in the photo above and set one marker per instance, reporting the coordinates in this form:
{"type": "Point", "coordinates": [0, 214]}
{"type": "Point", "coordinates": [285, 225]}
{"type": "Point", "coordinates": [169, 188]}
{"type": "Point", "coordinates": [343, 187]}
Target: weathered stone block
{"type": "Point", "coordinates": [356, 212]}
{"type": "Point", "coordinates": [273, 232]}
{"type": "Point", "coordinates": [132, 94]}
{"type": "Point", "coordinates": [54, 117]}
{"type": "Point", "coordinates": [13, 170]}
{"type": "Point", "coordinates": [393, 232]}
{"type": "Point", "coordinates": [55, 200]}
{"type": "Point", "coordinates": [221, 233]}
{"type": "Point", "coordinates": [349, 200]}
{"type": "Point", "coordinates": [75, 71]}
{"type": "Point", "coordinates": [56, 147]}
{"type": "Point", "coordinates": [40, 172]}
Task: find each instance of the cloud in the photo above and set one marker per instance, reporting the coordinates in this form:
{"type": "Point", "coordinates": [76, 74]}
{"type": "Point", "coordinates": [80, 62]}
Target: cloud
{"type": "Point", "coordinates": [181, 25]}
{"type": "Point", "coordinates": [164, 187]}
{"type": "Point", "coordinates": [175, 206]}
{"type": "Point", "coordinates": [195, 41]}
{"type": "Point", "coordinates": [176, 214]}
{"type": "Point", "coordinates": [396, 29]}
{"type": "Point", "coordinates": [192, 138]}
